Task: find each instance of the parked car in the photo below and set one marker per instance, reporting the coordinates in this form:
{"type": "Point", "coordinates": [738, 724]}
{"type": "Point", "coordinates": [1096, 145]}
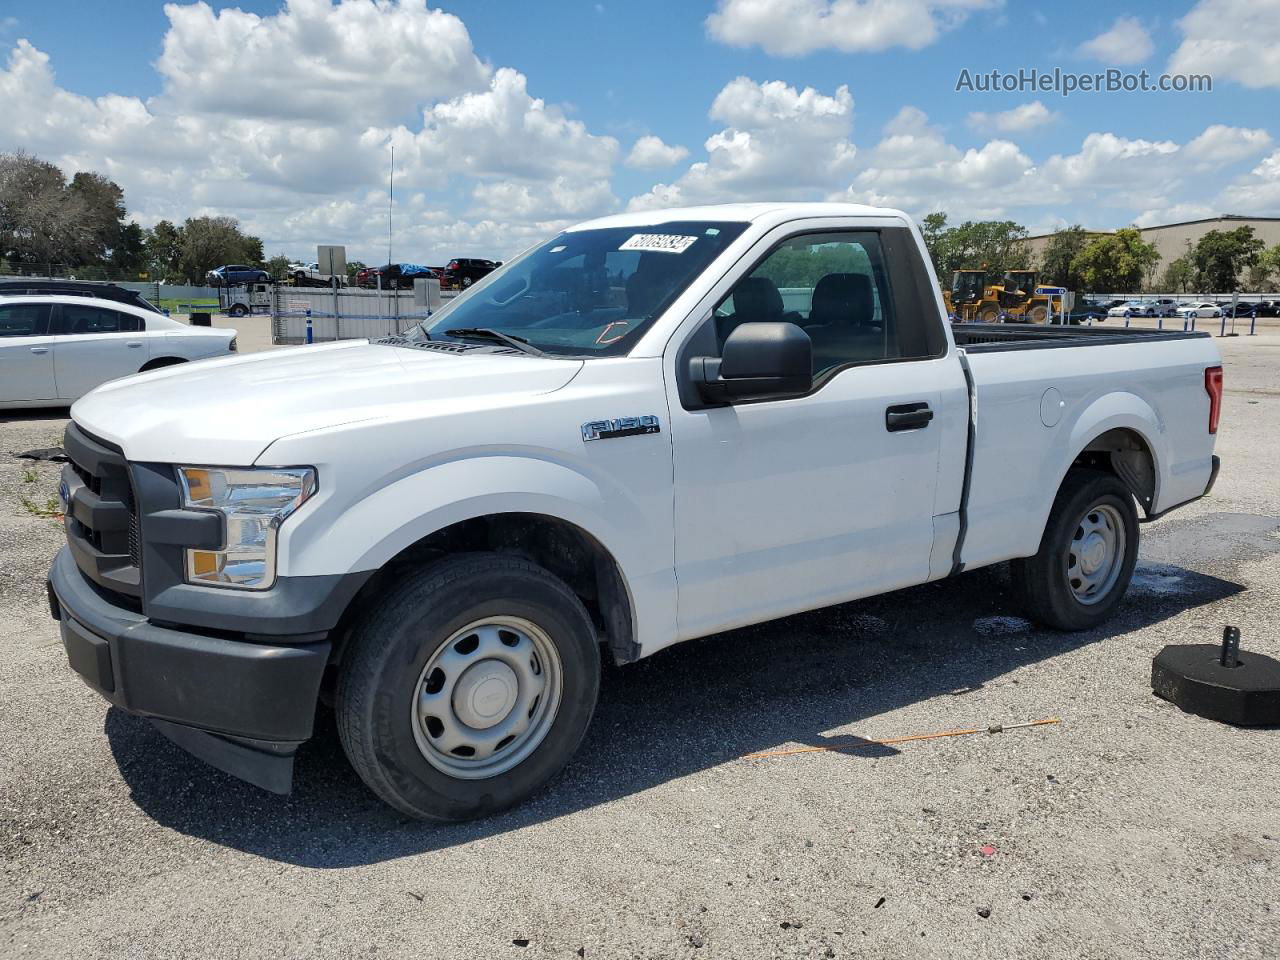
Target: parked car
{"type": "Point", "coordinates": [56, 348]}
{"type": "Point", "coordinates": [231, 274]}
{"type": "Point", "coordinates": [396, 275]}
{"type": "Point", "coordinates": [1269, 308]}
{"type": "Point", "coordinates": [1133, 308]}
{"type": "Point", "coordinates": [367, 277]}
{"type": "Point", "coordinates": [1085, 314]}
{"type": "Point", "coordinates": [464, 271]}
{"type": "Point", "coordinates": [441, 533]}
{"type": "Point", "coordinates": [1244, 308]}
{"type": "Point", "coordinates": [1205, 308]}
{"type": "Point", "coordinates": [79, 288]}
{"type": "Point", "coordinates": [1165, 307]}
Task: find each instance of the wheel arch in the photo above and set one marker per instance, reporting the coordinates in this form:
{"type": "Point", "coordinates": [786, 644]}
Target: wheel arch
{"type": "Point", "coordinates": [562, 547]}
{"type": "Point", "coordinates": [1121, 434]}
{"type": "Point", "coordinates": [155, 363]}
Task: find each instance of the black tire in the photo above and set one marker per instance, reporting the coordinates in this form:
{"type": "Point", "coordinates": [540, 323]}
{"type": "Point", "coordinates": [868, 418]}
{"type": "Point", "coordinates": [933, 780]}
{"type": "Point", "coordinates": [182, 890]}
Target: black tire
{"type": "Point", "coordinates": [389, 649]}
{"type": "Point", "coordinates": [1043, 582]}
{"type": "Point", "coordinates": [238, 310]}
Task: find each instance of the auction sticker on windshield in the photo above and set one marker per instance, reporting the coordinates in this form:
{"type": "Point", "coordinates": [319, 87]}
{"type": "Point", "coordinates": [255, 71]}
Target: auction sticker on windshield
{"type": "Point", "coordinates": [659, 243]}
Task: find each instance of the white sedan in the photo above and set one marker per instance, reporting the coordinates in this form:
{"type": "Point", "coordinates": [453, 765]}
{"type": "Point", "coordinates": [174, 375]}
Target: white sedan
{"type": "Point", "coordinates": [1133, 308]}
{"type": "Point", "coordinates": [55, 349]}
{"type": "Point", "coordinates": [1205, 309]}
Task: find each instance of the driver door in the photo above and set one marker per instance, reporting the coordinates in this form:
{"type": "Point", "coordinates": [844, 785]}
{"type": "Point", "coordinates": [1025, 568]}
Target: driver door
{"type": "Point", "coordinates": [784, 505]}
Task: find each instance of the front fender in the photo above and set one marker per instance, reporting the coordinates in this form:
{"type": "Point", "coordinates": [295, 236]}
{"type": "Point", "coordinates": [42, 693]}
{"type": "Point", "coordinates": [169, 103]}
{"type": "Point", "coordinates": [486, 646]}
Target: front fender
{"type": "Point", "coordinates": [633, 525]}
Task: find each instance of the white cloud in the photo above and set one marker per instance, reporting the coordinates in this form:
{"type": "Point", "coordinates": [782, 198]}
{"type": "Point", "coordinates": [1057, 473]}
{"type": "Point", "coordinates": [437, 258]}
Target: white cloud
{"type": "Point", "coordinates": [915, 169]}
{"type": "Point", "coordinates": [650, 152]}
{"type": "Point", "coordinates": [1221, 145]}
{"type": "Point", "coordinates": [1019, 119]}
{"type": "Point", "coordinates": [1257, 193]}
{"type": "Point", "coordinates": [1231, 39]}
{"type": "Point", "coordinates": [796, 27]}
{"type": "Point", "coordinates": [780, 143]}
{"type": "Point", "coordinates": [505, 132]}
{"type": "Point", "coordinates": [1127, 42]}
{"type": "Point", "coordinates": [316, 61]}
{"type": "Point", "coordinates": [284, 121]}
{"type": "Point", "coordinates": [1177, 213]}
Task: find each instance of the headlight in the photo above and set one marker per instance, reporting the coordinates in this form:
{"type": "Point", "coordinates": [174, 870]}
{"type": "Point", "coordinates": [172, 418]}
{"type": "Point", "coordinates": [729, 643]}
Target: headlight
{"type": "Point", "coordinates": [255, 501]}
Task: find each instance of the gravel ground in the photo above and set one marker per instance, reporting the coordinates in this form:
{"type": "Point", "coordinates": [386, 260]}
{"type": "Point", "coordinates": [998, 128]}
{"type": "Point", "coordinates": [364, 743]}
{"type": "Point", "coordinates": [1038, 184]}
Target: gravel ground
{"type": "Point", "coordinates": [1128, 830]}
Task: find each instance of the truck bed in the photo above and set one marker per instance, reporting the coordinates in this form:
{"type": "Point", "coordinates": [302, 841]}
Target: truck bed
{"type": "Point", "coordinates": [995, 337]}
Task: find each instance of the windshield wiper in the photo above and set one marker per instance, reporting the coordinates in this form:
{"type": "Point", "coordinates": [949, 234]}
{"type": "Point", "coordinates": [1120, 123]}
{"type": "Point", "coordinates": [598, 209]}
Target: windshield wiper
{"type": "Point", "coordinates": [487, 333]}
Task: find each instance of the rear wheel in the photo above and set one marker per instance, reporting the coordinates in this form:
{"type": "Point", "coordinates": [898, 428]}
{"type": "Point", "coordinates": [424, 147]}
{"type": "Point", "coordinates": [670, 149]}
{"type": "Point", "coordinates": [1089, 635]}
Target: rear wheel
{"type": "Point", "coordinates": [1086, 557]}
{"type": "Point", "coordinates": [989, 314]}
{"type": "Point", "coordinates": [238, 310]}
{"type": "Point", "coordinates": [468, 687]}
{"type": "Point", "coordinates": [1038, 314]}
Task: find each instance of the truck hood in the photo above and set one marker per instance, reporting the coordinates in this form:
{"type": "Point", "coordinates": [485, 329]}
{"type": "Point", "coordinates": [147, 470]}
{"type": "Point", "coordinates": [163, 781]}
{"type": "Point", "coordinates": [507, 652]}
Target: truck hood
{"type": "Point", "coordinates": [229, 410]}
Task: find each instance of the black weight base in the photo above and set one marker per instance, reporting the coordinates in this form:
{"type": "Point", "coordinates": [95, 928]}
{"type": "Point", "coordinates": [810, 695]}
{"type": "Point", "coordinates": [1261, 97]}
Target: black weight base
{"type": "Point", "coordinates": [1191, 677]}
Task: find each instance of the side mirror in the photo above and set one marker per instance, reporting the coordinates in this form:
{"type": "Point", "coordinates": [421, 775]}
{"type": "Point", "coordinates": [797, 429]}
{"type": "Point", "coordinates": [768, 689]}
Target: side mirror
{"type": "Point", "coordinates": [760, 359]}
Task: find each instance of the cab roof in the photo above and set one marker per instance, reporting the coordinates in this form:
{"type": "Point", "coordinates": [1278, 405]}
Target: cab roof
{"type": "Point", "coordinates": [778, 212]}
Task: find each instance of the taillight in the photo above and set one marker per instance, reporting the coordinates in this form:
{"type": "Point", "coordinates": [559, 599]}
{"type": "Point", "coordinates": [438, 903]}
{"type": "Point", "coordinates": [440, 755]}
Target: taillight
{"type": "Point", "coordinates": [1213, 387]}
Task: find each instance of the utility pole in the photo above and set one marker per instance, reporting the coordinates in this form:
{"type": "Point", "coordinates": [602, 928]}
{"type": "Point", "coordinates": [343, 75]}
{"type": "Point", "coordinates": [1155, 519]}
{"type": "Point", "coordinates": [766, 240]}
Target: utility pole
{"type": "Point", "coordinates": [391, 195]}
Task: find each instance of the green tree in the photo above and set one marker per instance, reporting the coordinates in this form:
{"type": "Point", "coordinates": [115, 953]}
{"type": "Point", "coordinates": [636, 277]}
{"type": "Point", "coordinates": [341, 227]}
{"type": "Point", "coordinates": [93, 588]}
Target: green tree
{"type": "Point", "coordinates": [993, 245]}
{"type": "Point", "coordinates": [1221, 256]}
{"type": "Point", "coordinates": [99, 203]}
{"type": "Point", "coordinates": [209, 242]}
{"type": "Point", "coordinates": [278, 266]}
{"type": "Point", "coordinates": [1179, 276]}
{"type": "Point", "coordinates": [1057, 263]}
{"type": "Point", "coordinates": [42, 224]}
{"type": "Point", "coordinates": [164, 249]}
{"type": "Point", "coordinates": [1264, 276]}
{"type": "Point", "coordinates": [1116, 263]}
{"type": "Point", "coordinates": [128, 256]}
{"type": "Point", "coordinates": [933, 227]}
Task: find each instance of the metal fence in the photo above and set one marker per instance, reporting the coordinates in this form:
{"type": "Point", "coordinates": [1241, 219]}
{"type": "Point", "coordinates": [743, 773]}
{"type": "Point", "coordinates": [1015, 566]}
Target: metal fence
{"type": "Point", "coordinates": [311, 315]}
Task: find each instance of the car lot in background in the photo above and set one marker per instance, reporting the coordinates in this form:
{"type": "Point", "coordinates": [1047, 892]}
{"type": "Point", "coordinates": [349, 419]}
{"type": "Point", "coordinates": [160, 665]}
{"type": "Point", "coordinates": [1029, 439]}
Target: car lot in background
{"type": "Point", "coordinates": [231, 274]}
{"type": "Point", "coordinates": [464, 271]}
{"type": "Point", "coordinates": [55, 349]}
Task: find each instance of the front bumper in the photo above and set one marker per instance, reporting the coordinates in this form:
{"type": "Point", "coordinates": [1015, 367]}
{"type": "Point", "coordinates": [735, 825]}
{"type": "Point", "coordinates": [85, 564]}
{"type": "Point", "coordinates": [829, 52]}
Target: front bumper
{"type": "Point", "coordinates": [242, 706]}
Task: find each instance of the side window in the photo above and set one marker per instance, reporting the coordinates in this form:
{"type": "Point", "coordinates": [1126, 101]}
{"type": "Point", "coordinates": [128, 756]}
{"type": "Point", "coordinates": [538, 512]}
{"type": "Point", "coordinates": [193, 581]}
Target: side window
{"type": "Point", "coordinates": [77, 319]}
{"type": "Point", "coordinates": [24, 320]}
{"type": "Point", "coordinates": [836, 287]}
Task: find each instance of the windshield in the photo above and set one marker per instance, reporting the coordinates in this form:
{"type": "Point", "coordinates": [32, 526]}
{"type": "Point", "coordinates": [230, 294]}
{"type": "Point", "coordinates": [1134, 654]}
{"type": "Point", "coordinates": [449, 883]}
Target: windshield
{"type": "Point", "coordinates": [586, 292]}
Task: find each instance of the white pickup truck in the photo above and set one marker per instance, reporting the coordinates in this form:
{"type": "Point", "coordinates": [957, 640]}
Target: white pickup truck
{"type": "Point", "coordinates": [653, 427]}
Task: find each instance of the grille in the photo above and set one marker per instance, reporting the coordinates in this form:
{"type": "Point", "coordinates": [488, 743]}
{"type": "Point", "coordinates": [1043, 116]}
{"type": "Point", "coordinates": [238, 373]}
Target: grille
{"type": "Point", "coordinates": [102, 516]}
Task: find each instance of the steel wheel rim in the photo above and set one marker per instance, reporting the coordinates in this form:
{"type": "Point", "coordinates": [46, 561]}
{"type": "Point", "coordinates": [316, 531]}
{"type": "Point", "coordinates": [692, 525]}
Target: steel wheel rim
{"type": "Point", "coordinates": [487, 698]}
{"type": "Point", "coordinates": [1095, 555]}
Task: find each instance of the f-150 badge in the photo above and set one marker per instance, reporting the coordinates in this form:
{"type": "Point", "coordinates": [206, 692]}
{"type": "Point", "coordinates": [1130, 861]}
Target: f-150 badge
{"type": "Point", "coordinates": [621, 427]}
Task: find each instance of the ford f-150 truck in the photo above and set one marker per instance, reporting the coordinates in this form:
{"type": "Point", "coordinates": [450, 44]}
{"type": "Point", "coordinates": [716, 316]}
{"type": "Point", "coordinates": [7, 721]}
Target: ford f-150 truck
{"type": "Point", "coordinates": [652, 427]}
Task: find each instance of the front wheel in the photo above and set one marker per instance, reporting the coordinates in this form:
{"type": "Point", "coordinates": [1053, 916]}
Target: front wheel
{"type": "Point", "coordinates": [238, 310]}
{"type": "Point", "coordinates": [468, 687]}
{"type": "Point", "coordinates": [1086, 557]}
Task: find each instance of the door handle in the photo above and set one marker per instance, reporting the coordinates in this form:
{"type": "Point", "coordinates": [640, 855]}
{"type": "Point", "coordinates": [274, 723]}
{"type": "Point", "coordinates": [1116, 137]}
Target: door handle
{"type": "Point", "coordinates": [135, 343]}
{"type": "Point", "coordinates": [39, 349]}
{"type": "Point", "coordinates": [907, 416]}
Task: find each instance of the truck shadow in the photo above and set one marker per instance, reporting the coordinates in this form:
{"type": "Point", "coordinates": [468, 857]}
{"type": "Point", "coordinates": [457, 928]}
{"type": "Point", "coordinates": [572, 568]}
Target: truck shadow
{"type": "Point", "coordinates": [683, 710]}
